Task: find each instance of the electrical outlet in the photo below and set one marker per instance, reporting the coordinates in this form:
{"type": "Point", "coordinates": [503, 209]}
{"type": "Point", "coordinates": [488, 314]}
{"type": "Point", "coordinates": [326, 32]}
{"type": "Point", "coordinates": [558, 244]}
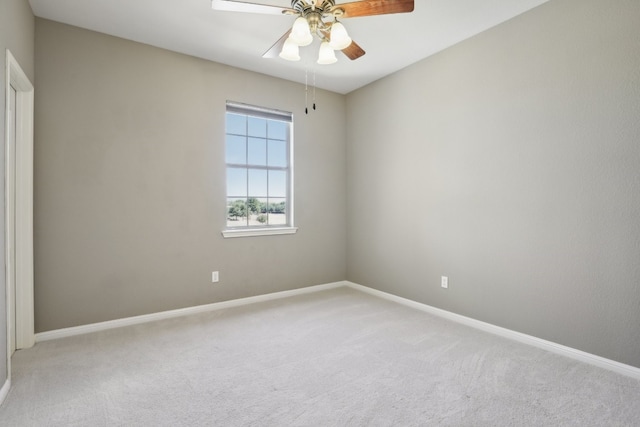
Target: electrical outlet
{"type": "Point", "coordinates": [444, 282]}
{"type": "Point", "coordinates": [215, 278]}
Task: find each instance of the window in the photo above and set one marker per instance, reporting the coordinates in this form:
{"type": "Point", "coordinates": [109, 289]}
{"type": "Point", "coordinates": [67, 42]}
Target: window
{"type": "Point", "coordinates": [259, 171]}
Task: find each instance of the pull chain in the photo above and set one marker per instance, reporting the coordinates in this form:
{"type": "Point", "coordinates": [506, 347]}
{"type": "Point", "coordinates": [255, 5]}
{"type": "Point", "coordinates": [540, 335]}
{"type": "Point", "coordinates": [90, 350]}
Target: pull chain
{"type": "Point", "coordinates": [306, 90]}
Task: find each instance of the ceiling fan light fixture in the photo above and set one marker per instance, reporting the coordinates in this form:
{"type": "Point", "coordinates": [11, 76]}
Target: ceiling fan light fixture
{"type": "Point", "coordinates": [339, 38]}
{"type": "Point", "coordinates": [301, 33]}
{"type": "Point", "coordinates": [290, 50]}
{"type": "Point", "coordinates": [326, 55]}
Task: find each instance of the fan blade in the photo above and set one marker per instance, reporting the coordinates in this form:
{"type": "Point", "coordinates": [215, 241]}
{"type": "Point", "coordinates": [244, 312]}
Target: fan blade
{"type": "Point", "coordinates": [373, 7]}
{"type": "Point", "coordinates": [275, 50]}
{"type": "Point", "coordinates": [353, 51]}
{"type": "Point", "coordinates": [241, 6]}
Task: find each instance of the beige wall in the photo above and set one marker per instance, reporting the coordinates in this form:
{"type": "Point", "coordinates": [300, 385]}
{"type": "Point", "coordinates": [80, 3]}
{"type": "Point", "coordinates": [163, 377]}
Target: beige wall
{"type": "Point", "coordinates": [130, 182]}
{"type": "Point", "coordinates": [508, 163]}
{"type": "Point", "coordinates": [511, 164]}
{"type": "Point", "coordinates": [16, 34]}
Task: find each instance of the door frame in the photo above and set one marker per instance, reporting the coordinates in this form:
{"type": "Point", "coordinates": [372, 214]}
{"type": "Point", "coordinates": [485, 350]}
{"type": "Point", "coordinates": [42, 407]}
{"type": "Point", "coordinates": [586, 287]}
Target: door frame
{"type": "Point", "coordinates": [24, 307]}
{"type": "Point", "coordinates": [10, 216]}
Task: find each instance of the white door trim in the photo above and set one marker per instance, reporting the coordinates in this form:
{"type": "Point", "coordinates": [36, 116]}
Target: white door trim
{"type": "Point", "coordinates": [24, 316]}
{"type": "Point", "coordinates": [10, 220]}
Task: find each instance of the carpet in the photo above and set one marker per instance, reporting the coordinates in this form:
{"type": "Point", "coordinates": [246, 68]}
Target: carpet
{"type": "Point", "coordinates": [332, 358]}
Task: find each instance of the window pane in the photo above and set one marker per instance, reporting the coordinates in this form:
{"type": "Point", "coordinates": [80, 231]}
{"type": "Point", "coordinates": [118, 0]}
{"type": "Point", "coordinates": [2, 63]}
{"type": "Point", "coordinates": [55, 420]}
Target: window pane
{"type": "Point", "coordinates": [237, 182]}
{"type": "Point", "coordinates": [236, 149]}
{"type": "Point", "coordinates": [255, 205]}
{"type": "Point", "coordinates": [257, 127]}
{"type": "Point", "coordinates": [257, 209]}
{"type": "Point", "coordinates": [277, 183]}
{"type": "Point", "coordinates": [257, 183]}
{"type": "Point", "coordinates": [236, 124]}
{"type": "Point", "coordinates": [277, 153]}
{"type": "Point", "coordinates": [257, 166]}
{"type": "Point", "coordinates": [277, 211]}
{"type": "Point", "coordinates": [278, 130]}
{"type": "Point", "coordinates": [236, 212]}
{"type": "Point", "coordinates": [257, 151]}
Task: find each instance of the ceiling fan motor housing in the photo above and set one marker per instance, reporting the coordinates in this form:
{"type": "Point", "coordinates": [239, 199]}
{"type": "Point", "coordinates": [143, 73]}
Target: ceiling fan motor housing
{"type": "Point", "coordinates": [304, 7]}
{"type": "Point", "coordinates": [314, 11]}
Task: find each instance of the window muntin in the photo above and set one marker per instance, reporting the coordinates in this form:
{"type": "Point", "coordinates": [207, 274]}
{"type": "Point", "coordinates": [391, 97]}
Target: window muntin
{"type": "Point", "coordinates": [259, 170]}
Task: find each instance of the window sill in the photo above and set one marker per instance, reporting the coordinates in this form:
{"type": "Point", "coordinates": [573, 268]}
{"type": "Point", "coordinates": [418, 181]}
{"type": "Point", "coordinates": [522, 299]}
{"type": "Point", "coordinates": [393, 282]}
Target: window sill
{"type": "Point", "coordinates": [253, 232]}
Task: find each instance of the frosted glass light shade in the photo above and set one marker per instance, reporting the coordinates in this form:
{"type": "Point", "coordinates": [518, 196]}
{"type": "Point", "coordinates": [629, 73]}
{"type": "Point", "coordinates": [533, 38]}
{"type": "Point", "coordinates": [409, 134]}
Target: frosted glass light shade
{"type": "Point", "coordinates": [339, 39]}
{"type": "Point", "coordinates": [326, 55]}
{"type": "Point", "coordinates": [301, 33]}
{"type": "Point", "coordinates": [290, 50]}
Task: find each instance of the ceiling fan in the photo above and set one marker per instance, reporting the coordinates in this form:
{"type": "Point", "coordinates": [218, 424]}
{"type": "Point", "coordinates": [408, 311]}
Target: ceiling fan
{"type": "Point", "coordinates": [311, 21]}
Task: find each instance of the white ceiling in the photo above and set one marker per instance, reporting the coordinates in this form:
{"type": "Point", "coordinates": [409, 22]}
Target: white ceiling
{"type": "Point", "coordinates": [392, 42]}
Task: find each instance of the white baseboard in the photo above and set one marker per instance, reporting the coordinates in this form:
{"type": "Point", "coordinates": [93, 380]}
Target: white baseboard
{"type": "Point", "coordinates": [592, 359]}
{"type": "Point", "coordinates": [4, 391]}
{"type": "Point", "coordinates": [118, 323]}
{"type": "Point", "coordinates": [612, 365]}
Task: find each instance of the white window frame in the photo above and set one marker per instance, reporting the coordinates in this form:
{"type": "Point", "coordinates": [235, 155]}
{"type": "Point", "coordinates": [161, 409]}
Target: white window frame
{"type": "Point", "coordinates": [266, 230]}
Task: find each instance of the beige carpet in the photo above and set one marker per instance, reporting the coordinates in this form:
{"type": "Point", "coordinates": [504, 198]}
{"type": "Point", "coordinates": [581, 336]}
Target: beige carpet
{"type": "Point", "coordinates": [333, 358]}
